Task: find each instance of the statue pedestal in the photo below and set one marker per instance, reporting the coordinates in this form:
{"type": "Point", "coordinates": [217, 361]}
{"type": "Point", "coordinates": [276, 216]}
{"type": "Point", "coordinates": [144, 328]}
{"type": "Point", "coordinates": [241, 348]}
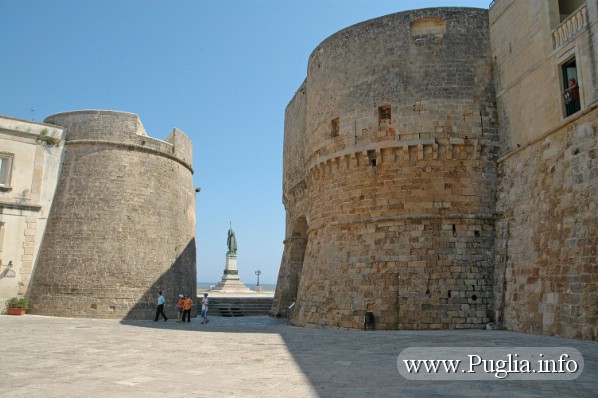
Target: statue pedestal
{"type": "Point", "coordinates": [231, 282]}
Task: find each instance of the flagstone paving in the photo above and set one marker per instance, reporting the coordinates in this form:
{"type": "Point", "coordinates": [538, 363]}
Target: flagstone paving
{"type": "Point", "coordinates": [247, 357]}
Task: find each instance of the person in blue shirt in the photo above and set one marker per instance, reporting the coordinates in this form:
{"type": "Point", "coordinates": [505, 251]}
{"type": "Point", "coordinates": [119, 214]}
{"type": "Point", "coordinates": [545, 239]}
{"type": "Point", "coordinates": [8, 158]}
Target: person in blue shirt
{"type": "Point", "coordinates": [204, 308]}
{"type": "Point", "coordinates": [160, 309]}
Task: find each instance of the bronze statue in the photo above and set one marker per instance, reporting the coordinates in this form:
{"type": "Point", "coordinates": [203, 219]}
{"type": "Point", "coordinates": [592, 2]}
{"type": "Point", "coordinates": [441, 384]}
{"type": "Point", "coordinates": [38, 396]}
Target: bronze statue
{"type": "Point", "coordinates": [231, 242]}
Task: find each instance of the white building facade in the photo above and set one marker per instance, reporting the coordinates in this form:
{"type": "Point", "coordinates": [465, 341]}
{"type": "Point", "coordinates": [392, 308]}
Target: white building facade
{"type": "Point", "coordinates": [30, 157]}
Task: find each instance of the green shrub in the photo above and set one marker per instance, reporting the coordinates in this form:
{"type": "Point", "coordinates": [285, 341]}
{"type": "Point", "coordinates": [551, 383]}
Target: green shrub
{"type": "Point", "coordinates": [47, 138]}
{"type": "Point", "coordinates": [18, 302]}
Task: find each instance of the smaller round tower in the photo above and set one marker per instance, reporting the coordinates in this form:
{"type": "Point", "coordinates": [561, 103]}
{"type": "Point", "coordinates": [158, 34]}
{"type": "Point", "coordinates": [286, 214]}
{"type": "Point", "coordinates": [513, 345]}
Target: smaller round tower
{"type": "Point", "coordinates": [122, 225]}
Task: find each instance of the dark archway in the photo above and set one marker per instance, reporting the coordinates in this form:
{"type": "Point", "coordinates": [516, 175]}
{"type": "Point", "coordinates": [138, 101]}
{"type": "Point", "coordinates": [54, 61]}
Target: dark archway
{"type": "Point", "coordinates": [291, 266]}
{"type": "Point", "coordinates": [297, 245]}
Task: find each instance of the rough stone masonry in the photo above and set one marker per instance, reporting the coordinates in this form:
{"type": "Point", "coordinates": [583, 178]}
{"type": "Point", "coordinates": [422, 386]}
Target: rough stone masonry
{"type": "Point", "coordinates": [433, 178]}
{"type": "Point", "coordinates": [122, 225]}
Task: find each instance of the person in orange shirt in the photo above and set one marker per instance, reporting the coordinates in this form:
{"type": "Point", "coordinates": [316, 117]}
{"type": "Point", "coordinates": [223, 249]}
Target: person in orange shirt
{"type": "Point", "coordinates": [187, 305]}
{"type": "Point", "coordinates": [179, 307]}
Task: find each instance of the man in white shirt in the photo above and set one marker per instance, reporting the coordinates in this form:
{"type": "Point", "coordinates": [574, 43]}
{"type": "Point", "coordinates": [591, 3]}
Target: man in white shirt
{"type": "Point", "coordinates": [160, 308]}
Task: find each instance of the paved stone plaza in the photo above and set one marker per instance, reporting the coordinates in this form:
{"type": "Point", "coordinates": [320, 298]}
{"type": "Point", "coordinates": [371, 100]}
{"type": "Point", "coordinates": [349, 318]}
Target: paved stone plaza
{"type": "Point", "coordinates": [246, 357]}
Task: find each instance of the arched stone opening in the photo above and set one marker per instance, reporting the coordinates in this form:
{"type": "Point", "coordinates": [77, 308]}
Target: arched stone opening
{"type": "Point", "coordinates": [290, 268]}
{"type": "Point", "coordinates": [298, 244]}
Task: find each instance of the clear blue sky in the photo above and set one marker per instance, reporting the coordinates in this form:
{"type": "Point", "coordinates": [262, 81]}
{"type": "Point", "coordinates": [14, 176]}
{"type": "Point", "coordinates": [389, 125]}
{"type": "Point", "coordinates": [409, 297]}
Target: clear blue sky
{"type": "Point", "coordinates": [221, 71]}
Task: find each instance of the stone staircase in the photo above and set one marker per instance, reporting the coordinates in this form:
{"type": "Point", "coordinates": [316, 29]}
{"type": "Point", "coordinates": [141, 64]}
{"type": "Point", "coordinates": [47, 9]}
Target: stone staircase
{"type": "Point", "coordinates": [239, 306]}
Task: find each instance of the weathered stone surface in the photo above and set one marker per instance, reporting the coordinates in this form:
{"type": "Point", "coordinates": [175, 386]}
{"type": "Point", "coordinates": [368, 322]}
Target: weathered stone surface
{"type": "Point", "coordinates": [390, 173]}
{"type": "Point", "coordinates": [395, 214]}
{"type": "Point", "coordinates": [122, 225]}
{"type": "Point", "coordinates": [547, 231]}
{"type": "Point", "coordinates": [547, 243]}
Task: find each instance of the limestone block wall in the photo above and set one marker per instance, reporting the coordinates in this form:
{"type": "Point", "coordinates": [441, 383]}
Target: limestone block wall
{"type": "Point", "coordinates": [295, 149]}
{"type": "Point", "coordinates": [295, 173]}
{"type": "Point", "coordinates": [431, 68]}
{"type": "Point", "coordinates": [397, 183]}
{"type": "Point", "coordinates": [122, 225]}
{"type": "Point", "coordinates": [545, 280]}
{"type": "Point", "coordinates": [409, 240]}
{"type": "Point", "coordinates": [547, 235]}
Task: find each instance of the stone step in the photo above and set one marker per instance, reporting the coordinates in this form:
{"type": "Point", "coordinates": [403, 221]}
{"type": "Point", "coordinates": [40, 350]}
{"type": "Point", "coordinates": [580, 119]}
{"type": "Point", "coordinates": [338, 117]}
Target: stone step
{"type": "Point", "coordinates": [239, 306]}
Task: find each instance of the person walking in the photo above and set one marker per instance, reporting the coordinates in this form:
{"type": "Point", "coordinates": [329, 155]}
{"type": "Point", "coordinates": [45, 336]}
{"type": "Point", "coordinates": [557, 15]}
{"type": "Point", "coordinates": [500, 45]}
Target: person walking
{"type": "Point", "coordinates": [204, 308]}
{"type": "Point", "coordinates": [160, 308]}
{"type": "Point", "coordinates": [187, 305]}
{"type": "Point", "coordinates": [179, 307]}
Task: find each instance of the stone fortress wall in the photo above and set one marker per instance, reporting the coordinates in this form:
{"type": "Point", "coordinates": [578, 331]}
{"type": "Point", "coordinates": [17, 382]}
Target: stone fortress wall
{"type": "Point", "coordinates": [434, 176]}
{"type": "Point", "coordinates": [122, 225]}
{"type": "Point", "coordinates": [390, 176]}
{"type": "Point", "coordinates": [547, 198]}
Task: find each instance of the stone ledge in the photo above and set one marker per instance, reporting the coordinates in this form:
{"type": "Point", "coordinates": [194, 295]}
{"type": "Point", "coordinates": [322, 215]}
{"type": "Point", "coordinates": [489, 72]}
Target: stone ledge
{"type": "Point", "coordinates": [18, 206]}
{"type": "Point", "coordinates": [129, 146]}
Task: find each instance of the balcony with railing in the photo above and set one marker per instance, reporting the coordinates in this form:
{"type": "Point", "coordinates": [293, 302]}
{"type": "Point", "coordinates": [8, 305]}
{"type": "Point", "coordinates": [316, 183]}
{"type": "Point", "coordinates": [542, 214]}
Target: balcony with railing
{"type": "Point", "coordinates": [570, 27]}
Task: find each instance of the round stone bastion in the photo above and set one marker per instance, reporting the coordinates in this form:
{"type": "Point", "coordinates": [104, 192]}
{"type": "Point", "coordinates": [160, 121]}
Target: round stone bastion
{"type": "Point", "coordinates": [390, 176]}
{"type": "Point", "coordinates": [122, 224]}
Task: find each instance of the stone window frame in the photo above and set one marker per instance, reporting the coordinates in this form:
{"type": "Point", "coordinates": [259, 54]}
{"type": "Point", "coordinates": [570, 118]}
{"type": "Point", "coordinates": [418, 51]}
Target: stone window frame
{"type": "Point", "coordinates": [6, 162]}
{"type": "Point", "coordinates": [568, 58]}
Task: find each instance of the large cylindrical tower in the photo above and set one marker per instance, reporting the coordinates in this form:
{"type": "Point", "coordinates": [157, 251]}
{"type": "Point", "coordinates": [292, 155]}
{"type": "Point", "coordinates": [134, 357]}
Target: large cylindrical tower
{"type": "Point", "coordinates": [389, 176]}
{"type": "Point", "coordinates": [122, 225]}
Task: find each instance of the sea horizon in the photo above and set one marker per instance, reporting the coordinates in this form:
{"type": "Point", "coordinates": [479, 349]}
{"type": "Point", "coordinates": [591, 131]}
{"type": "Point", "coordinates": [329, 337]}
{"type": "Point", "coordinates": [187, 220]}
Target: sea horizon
{"type": "Point", "coordinates": [250, 285]}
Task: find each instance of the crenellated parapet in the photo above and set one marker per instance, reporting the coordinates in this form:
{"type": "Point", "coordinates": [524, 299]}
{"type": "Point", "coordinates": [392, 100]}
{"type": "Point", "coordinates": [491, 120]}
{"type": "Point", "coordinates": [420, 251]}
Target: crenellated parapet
{"type": "Point", "coordinates": [403, 150]}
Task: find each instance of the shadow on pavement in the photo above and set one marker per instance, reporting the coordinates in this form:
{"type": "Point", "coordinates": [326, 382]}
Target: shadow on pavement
{"type": "Point", "coordinates": [341, 362]}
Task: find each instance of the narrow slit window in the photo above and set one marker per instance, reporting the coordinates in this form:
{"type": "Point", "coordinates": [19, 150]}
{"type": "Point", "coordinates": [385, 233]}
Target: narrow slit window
{"type": "Point", "coordinates": [335, 127]}
{"type": "Point", "coordinates": [372, 157]}
{"type": "Point", "coordinates": [384, 114]}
